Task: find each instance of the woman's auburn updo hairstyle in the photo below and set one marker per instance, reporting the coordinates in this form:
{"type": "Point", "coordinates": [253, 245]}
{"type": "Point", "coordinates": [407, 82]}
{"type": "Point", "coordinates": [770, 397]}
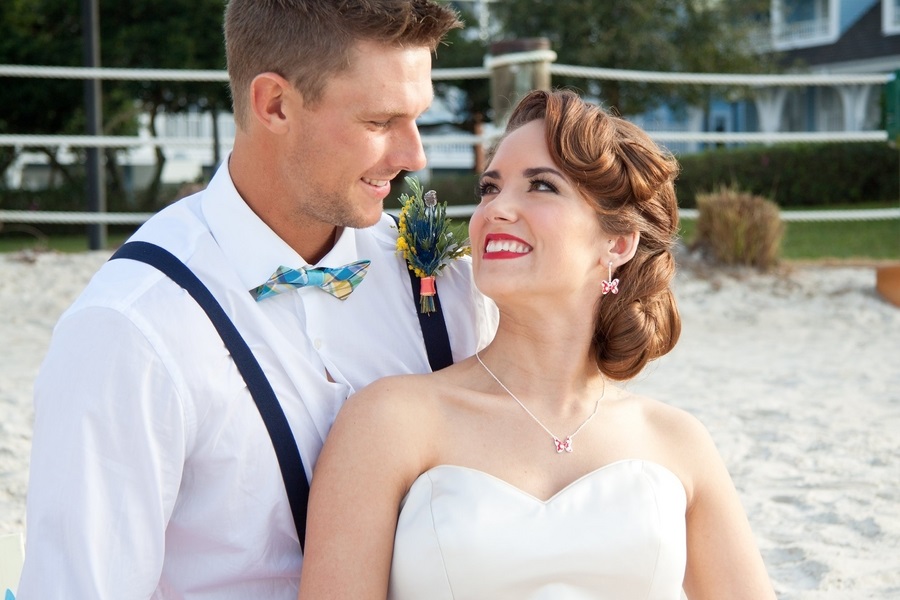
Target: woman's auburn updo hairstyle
{"type": "Point", "coordinates": [629, 180]}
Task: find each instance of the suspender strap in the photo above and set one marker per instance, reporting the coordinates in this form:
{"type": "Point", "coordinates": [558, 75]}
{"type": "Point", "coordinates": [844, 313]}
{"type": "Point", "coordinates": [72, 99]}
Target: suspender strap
{"type": "Point", "coordinates": [434, 328]}
{"type": "Point", "coordinates": [289, 459]}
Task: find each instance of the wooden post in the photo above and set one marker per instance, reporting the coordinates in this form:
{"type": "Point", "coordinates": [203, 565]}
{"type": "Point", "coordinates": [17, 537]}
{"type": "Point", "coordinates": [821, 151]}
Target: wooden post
{"type": "Point", "coordinates": [517, 67]}
{"type": "Point", "coordinates": [478, 129]}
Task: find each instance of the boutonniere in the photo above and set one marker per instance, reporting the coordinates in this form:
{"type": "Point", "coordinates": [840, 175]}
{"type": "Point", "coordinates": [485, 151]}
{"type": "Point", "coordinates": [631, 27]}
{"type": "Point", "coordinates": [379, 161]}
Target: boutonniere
{"type": "Point", "coordinates": [428, 239]}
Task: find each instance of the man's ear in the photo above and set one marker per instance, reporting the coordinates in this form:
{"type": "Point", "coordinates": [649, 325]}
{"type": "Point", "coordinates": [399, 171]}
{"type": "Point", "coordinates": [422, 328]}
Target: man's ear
{"type": "Point", "coordinates": [268, 94]}
{"type": "Point", "coordinates": [621, 248]}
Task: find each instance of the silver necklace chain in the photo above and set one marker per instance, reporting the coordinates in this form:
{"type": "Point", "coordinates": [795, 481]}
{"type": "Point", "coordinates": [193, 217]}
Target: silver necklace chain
{"type": "Point", "coordinates": [564, 445]}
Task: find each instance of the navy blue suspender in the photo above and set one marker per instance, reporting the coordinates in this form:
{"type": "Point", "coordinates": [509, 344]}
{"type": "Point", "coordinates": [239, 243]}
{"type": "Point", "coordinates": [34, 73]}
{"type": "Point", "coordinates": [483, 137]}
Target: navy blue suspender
{"type": "Point", "coordinates": [289, 459]}
{"type": "Point", "coordinates": [437, 345]}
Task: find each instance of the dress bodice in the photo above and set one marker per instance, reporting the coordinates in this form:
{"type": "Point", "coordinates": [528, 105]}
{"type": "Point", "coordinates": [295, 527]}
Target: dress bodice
{"type": "Point", "coordinates": [617, 533]}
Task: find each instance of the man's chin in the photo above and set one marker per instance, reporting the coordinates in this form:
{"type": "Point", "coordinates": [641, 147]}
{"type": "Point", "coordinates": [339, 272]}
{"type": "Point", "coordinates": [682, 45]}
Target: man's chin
{"type": "Point", "coordinates": [374, 220]}
{"type": "Point", "coordinates": [367, 219]}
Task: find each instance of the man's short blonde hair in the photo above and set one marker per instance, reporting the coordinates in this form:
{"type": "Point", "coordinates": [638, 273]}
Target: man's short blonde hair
{"type": "Point", "coordinates": [308, 41]}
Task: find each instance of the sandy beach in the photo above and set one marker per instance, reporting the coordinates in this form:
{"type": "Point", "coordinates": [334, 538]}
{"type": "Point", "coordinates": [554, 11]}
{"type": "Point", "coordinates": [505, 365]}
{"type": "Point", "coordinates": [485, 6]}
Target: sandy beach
{"type": "Point", "coordinates": [795, 373]}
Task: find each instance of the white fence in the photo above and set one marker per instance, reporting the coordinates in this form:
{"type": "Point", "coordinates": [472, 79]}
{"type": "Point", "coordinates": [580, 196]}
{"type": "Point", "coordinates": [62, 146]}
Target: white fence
{"type": "Point", "coordinates": [441, 142]}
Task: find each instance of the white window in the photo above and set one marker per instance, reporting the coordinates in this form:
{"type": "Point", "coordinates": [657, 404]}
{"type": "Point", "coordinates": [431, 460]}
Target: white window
{"type": "Point", "coordinates": [804, 23]}
{"type": "Point", "coordinates": [890, 16]}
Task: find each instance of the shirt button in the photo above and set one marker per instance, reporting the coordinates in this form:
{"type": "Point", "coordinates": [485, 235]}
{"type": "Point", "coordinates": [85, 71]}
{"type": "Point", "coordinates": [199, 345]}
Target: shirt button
{"type": "Point", "coordinates": [318, 344]}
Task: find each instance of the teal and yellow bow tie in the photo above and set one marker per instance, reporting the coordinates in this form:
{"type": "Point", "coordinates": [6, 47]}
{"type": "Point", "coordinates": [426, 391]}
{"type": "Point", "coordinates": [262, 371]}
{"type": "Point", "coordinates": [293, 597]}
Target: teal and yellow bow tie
{"type": "Point", "coordinates": [338, 282]}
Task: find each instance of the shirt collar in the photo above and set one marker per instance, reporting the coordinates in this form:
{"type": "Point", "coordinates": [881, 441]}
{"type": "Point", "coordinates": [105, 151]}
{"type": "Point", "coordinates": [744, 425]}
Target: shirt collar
{"type": "Point", "coordinates": [252, 248]}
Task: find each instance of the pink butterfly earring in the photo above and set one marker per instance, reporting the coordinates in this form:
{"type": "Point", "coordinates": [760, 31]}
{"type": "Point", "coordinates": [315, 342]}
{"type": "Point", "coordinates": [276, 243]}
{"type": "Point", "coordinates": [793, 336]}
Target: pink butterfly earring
{"type": "Point", "coordinates": [610, 286]}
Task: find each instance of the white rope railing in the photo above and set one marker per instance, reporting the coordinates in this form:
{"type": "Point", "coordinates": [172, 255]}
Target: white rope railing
{"type": "Point", "coordinates": [712, 137]}
{"type": "Point", "coordinates": [793, 79]}
{"type": "Point", "coordinates": [115, 141]}
{"type": "Point", "coordinates": [870, 214]}
{"type": "Point", "coordinates": [115, 74]}
{"type": "Point", "coordinates": [60, 217]}
{"type": "Point", "coordinates": [107, 73]}
{"type": "Point", "coordinates": [95, 141]}
{"type": "Point", "coordinates": [814, 216]}
{"type": "Point", "coordinates": [460, 73]}
{"type": "Point", "coordinates": [457, 212]}
{"type": "Point", "coordinates": [757, 137]}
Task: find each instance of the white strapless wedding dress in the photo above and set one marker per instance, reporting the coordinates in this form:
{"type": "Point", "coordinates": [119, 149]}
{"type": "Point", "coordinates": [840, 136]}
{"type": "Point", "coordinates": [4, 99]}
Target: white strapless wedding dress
{"type": "Point", "coordinates": [617, 533]}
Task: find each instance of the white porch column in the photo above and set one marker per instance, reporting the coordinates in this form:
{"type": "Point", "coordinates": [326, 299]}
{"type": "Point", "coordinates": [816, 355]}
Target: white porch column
{"type": "Point", "coordinates": [855, 99]}
{"type": "Point", "coordinates": [769, 106]}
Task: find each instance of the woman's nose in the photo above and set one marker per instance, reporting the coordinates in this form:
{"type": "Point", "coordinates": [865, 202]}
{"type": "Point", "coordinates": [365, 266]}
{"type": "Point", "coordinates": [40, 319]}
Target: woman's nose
{"type": "Point", "coordinates": [501, 207]}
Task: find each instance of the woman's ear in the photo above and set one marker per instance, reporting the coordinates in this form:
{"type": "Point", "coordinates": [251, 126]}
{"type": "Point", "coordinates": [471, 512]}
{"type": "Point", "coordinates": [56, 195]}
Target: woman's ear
{"type": "Point", "coordinates": [268, 94]}
{"type": "Point", "coordinates": [622, 248]}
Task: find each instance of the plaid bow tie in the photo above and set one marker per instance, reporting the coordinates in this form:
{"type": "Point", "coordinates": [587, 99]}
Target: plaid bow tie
{"type": "Point", "coordinates": [338, 282]}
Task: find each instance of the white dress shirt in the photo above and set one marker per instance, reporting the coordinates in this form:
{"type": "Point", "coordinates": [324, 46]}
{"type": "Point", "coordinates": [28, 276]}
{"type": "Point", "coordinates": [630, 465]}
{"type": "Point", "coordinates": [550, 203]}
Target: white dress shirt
{"type": "Point", "coordinates": [152, 474]}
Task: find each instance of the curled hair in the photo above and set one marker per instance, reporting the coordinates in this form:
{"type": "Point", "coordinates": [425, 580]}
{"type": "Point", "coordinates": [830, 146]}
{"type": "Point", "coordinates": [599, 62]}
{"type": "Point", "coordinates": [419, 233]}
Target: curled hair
{"type": "Point", "coordinates": [308, 41]}
{"type": "Point", "coordinates": [629, 181]}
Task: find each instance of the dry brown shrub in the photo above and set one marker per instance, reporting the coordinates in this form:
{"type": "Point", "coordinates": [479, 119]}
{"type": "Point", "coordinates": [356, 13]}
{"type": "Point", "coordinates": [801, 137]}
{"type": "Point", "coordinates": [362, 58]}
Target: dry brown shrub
{"type": "Point", "coordinates": [738, 228]}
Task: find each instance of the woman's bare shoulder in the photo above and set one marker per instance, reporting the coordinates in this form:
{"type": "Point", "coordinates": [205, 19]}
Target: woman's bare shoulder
{"type": "Point", "coordinates": [664, 421]}
{"type": "Point", "coordinates": [395, 396]}
{"type": "Point", "coordinates": [397, 411]}
{"type": "Point", "coordinates": [673, 436]}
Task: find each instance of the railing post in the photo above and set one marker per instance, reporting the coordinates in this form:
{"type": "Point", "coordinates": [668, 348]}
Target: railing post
{"type": "Point", "coordinates": [517, 67]}
{"type": "Point", "coordinates": [93, 107]}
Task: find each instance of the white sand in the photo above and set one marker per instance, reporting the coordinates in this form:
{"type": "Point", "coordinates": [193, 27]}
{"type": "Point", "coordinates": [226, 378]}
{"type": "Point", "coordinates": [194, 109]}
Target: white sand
{"type": "Point", "coordinates": [797, 376]}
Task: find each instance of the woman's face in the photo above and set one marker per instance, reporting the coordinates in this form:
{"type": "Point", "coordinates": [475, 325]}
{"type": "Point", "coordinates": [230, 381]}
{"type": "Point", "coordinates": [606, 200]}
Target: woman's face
{"type": "Point", "coordinates": [533, 230]}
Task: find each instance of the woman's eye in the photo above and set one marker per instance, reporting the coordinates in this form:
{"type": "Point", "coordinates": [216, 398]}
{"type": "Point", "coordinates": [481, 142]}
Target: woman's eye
{"type": "Point", "coordinates": [542, 185]}
{"type": "Point", "coordinates": [485, 188]}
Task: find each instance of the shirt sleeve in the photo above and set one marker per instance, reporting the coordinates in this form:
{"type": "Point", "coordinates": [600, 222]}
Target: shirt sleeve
{"type": "Point", "coordinates": [107, 456]}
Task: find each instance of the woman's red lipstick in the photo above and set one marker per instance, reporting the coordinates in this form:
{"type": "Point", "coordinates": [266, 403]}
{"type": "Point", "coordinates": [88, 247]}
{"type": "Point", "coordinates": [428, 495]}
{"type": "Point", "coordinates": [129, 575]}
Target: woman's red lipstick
{"type": "Point", "coordinates": [503, 245]}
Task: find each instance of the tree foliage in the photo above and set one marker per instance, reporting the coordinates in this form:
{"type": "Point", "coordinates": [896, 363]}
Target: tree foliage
{"type": "Point", "coordinates": [40, 32]}
{"type": "Point", "coordinates": [710, 36]}
{"type": "Point", "coordinates": [165, 34]}
{"type": "Point", "coordinates": [157, 34]}
{"type": "Point", "coordinates": [463, 48]}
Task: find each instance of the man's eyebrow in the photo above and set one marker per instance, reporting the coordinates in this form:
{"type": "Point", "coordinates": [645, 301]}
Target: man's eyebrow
{"type": "Point", "coordinates": [387, 113]}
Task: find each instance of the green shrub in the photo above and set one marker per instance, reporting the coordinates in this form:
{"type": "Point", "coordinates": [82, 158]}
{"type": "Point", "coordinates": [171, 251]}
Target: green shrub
{"type": "Point", "coordinates": [456, 189]}
{"type": "Point", "coordinates": [72, 197]}
{"type": "Point", "coordinates": [739, 228]}
{"type": "Point", "coordinates": [796, 175]}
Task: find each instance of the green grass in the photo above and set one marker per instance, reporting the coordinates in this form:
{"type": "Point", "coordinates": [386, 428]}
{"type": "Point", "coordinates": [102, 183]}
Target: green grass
{"type": "Point", "coordinates": [833, 240]}
{"type": "Point", "coordinates": [16, 241]}
{"type": "Point", "coordinates": [847, 240]}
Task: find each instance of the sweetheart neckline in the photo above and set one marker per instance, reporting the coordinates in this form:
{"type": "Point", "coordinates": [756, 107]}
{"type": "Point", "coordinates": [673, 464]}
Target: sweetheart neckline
{"type": "Point", "coordinates": [564, 489]}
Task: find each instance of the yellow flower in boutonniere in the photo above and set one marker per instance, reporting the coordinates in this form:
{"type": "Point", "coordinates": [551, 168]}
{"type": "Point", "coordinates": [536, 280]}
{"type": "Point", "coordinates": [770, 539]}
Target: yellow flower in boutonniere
{"type": "Point", "coordinates": [428, 239]}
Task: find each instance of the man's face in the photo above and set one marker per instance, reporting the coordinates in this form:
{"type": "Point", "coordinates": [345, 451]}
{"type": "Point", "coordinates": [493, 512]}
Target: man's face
{"type": "Point", "coordinates": [348, 146]}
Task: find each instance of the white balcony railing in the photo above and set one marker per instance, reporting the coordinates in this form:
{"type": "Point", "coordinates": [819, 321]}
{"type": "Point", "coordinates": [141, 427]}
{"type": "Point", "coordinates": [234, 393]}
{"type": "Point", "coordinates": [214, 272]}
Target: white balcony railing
{"type": "Point", "coordinates": [801, 31]}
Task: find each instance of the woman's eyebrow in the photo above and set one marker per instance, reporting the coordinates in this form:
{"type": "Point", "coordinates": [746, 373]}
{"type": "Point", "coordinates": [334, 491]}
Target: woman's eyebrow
{"type": "Point", "coordinates": [541, 170]}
